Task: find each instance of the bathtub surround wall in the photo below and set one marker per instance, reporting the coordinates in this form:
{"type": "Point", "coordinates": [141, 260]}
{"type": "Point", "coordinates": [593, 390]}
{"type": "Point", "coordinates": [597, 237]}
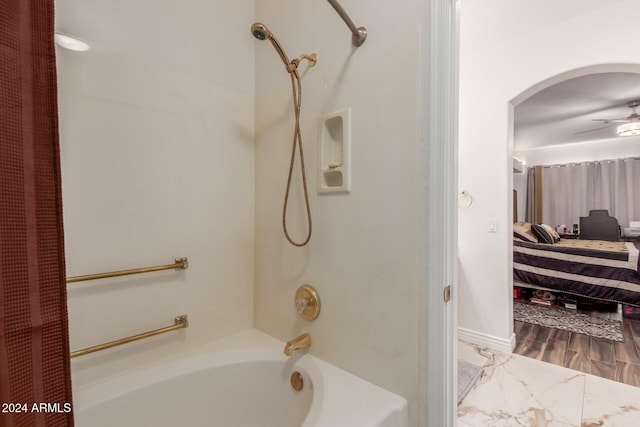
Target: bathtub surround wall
{"type": "Point", "coordinates": [158, 162]}
{"type": "Point", "coordinates": [156, 124]}
{"type": "Point", "coordinates": [495, 72]}
{"type": "Point", "coordinates": [362, 255]}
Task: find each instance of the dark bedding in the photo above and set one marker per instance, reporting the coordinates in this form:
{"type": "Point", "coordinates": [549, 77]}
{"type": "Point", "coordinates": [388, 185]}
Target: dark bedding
{"type": "Point", "coordinates": [594, 269]}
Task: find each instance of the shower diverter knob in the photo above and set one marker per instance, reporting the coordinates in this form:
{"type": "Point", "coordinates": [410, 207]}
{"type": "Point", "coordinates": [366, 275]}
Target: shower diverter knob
{"type": "Point", "coordinates": [307, 302]}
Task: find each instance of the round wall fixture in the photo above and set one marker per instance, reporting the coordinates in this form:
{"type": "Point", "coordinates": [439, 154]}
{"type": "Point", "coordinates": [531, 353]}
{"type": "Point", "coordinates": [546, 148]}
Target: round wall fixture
{"type": "Point", "coordinates": [307, 302]}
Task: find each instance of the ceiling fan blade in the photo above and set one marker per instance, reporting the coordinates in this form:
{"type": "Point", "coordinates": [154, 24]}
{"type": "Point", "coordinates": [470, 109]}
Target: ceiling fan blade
{"type": "Point", "coordinates": [606, 121]}
{"type": "Point", "coordinates": [591, 130]}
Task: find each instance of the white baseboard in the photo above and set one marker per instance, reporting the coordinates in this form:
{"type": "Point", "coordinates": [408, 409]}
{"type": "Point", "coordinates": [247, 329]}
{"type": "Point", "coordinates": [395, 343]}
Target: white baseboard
{"type": "Point", "coordinates": [488, 341]}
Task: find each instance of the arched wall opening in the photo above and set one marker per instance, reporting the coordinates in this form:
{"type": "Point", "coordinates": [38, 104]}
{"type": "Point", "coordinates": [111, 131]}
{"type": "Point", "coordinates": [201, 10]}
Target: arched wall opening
{"type": "Point", "coordinates": [555, 90]}
{"type": "Point", "coordinates": [494, 78]}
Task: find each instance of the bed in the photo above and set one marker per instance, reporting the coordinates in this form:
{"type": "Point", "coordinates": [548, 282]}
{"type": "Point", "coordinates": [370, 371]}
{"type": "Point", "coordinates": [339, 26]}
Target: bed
{"type": "Point", "coordinates": [590, 268]}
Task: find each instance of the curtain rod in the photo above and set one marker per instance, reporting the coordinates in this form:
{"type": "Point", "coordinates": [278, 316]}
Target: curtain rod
{"type": "Point", "coordinates": [359, 34]}
{"type": "Point", "coordinates": [563, 165]}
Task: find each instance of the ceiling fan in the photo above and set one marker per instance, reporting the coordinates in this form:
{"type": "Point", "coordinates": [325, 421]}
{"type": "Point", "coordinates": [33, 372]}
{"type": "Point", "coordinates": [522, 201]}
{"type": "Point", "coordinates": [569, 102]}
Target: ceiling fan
{"type": "Point", "coordinates": [630, 125]}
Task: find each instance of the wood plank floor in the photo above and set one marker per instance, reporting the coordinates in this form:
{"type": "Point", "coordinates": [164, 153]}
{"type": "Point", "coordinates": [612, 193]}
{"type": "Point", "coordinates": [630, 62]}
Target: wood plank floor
{"type": "Point", "coordinates": [618, 361]}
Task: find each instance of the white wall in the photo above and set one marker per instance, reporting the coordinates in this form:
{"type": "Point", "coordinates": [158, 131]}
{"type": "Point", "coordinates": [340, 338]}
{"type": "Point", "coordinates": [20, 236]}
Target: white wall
{"type": "Point", "coordinates": [362, 255]}
{"type": "Point", "coordinates": [491, 76]}
{"type": "Point", "coordinates": [156, 125]}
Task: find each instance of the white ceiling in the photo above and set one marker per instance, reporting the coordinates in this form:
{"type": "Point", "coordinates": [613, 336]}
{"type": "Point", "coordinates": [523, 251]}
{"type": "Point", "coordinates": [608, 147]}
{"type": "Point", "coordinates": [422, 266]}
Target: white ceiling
{"type": "Point", "coordinates": [558, 114]}
{"type": "Point", "coordinates": [554, 115]}
{"type": "Point", "coordinates": [493, 19]}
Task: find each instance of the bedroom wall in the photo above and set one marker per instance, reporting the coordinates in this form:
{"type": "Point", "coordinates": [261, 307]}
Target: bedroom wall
{"type": "Point", "coordinates": [491, 76]}
{"type": "Point", "coordinates": [520, 185]}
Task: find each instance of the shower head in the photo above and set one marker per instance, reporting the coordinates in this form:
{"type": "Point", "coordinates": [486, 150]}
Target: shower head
{"type": "Point", "coordinates": [260, 31]}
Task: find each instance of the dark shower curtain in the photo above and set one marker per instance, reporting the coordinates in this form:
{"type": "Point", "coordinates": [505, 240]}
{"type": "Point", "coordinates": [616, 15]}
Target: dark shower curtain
{"type": "Point", "coordinates": [35, 381]}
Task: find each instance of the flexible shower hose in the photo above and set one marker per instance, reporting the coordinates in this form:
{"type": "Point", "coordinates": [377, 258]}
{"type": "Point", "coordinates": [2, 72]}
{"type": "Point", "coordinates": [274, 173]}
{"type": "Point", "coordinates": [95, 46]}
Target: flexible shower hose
{"type": "Point", "coordinates": [296, 87]}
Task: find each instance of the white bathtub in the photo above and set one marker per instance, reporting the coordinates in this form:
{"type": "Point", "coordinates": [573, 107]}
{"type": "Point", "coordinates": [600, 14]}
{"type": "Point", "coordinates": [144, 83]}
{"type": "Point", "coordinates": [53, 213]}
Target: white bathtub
{"type": "Point", "coordinates": [233, 383]}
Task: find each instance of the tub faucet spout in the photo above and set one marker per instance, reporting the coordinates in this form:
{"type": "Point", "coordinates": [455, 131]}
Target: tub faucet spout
{"type": "Point", "coordinates": [298, 343]}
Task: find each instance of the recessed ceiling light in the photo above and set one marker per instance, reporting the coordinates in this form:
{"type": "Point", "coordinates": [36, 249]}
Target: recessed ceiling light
{"type": "Point", "coordinates": [71, 43]}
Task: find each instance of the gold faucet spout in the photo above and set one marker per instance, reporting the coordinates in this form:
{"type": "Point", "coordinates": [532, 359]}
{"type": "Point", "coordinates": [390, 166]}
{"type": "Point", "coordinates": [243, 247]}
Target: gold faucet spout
{"type": "Point", "coordinates": [298, 343]}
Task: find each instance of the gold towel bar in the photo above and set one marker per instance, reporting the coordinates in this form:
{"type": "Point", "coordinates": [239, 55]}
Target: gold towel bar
{"type": "Point", "coordinates": [180, 264]}
{"type": "Point", "coordinates": [180, 323]}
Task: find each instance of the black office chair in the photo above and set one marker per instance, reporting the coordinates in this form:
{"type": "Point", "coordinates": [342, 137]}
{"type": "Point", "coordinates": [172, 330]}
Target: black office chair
{"type": "Point", "coordinates": [599, 226]}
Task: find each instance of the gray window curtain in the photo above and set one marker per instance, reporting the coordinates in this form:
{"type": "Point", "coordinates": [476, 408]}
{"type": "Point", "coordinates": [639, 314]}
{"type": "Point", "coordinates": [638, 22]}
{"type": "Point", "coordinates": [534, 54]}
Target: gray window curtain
{"type": "Point", "coordinates": [571, 191]}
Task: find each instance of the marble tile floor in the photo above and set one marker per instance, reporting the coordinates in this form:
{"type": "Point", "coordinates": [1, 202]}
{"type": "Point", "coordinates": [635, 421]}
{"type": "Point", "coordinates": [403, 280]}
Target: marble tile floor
{"type": "Point", "coordinates": [520, 391]}
{"type": "Point", "coordinates": [618, 361]}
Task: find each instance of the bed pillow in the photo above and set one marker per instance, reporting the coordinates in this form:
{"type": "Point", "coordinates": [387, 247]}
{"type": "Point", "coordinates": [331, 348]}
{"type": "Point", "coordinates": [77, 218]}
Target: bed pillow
{"type": "Point", "coordinates": [554, 233]}
{"type": "Point", "coordinates": [542, 234]}
{"type": "Point", "coordinates": [523, 231]}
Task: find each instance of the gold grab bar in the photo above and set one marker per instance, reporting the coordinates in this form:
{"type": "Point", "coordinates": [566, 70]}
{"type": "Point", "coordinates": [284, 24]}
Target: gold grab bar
{"type": "Point", "coordinates": [180, 264]}
{"type": "Point", "coordinates": [180, 323]}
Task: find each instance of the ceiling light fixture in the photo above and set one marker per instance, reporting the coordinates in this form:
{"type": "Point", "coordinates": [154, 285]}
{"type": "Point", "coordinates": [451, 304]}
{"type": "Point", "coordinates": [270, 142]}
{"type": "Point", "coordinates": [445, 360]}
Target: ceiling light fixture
{"type": "Point", "coordinates": [71, 43]}
{"type": "Point", "coordinates": [629, 129]}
